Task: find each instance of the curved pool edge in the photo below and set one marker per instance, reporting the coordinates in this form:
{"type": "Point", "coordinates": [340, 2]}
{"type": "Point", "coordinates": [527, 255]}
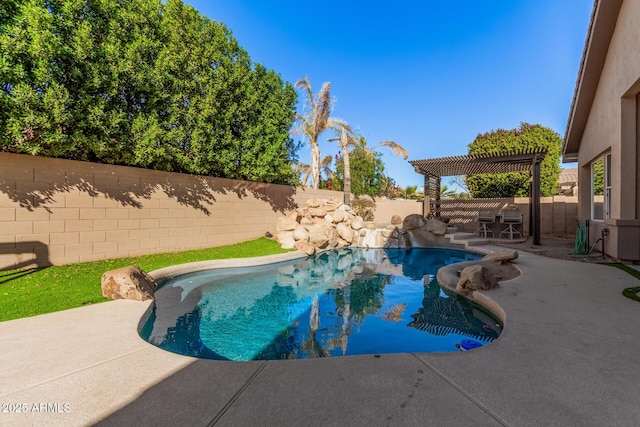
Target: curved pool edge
{"type": "Point", "coordinates": [192, 267]}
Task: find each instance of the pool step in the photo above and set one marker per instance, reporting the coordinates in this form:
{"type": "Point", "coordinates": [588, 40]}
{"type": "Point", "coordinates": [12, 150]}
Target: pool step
{"type": "Point", "coordinates": [466, 239]}
{"type": "Point", "coordinates": [461, 236]}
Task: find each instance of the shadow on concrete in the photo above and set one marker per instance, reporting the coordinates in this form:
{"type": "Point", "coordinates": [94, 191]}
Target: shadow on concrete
{"type": "Point", "coordinates": [32, 254]}
{"type": "Point", "coordinates": [198, 192]}
{"type": "Point", "coordinates": [197, 394]}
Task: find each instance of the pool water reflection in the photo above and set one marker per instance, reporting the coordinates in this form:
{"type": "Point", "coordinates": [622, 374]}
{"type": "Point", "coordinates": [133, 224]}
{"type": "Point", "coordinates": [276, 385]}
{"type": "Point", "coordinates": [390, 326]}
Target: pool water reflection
{"type": "Point", "coordinates": [338, 303]}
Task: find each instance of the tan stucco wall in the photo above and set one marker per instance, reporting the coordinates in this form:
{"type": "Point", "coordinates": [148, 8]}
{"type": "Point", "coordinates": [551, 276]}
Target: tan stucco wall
{"type": "Point", "coordinates": [61, 211]}
{"type": "Point", "coordinates": [607, 131]}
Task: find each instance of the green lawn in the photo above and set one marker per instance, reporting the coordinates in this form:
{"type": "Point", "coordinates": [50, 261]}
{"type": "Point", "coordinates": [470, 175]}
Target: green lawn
{"type": "Point", "coordinates": [25, 293]}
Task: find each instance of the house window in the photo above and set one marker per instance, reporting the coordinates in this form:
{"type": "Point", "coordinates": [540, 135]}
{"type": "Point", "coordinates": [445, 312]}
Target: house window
{"type": "Point", "coordinates": [601, 188]}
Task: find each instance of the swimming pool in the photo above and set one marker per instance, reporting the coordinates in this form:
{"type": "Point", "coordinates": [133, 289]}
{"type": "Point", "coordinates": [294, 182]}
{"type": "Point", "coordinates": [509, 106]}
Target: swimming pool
{"type": "Point", "coordinates": [338, 303]}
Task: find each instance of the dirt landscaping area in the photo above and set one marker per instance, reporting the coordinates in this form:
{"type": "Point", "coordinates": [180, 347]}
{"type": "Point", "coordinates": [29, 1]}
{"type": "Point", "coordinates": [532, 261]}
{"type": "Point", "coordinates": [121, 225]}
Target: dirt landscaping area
{"type": "Point", "coordinates": [556, 247]}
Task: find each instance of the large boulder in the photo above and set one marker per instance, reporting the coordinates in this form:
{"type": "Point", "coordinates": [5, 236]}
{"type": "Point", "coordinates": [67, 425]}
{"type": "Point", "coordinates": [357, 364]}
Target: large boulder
{"type": "Point", "coordinates": [286, 224]}
{"type": "Point", "coordinates": [317, 212]}
{"type": "Point", "coordinates": [339, 216]}
{"type": "Point", "coordinates": [305, 247]}
{"type": "Point", "coordinates": [318, 235]}
{"type": "Point", "coordinates": [128, 283]}
{"type": "Point", "coordinates": [286, 239]}
{"type": "Point", "coordinates": [396, 220]}
{"type": "Point", "coordinates": [300, 233]}
{"type": "Point", "coordinates": [413, 221]}
{"type": "Point", "coordinates": [345, 232]}
{"type": "Point", "coordinates": [503, 255]}
{"type": "Point", "coordinates": [476, 278]}
{"type": "Point", "coordinates": [436, 227]}
{"type": "Point", "coordinates": [357, 223]}
{"type": "Point", "coordinates": [313, 203]}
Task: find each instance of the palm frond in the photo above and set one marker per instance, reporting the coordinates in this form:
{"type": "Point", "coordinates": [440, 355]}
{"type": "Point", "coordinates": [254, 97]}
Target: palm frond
{"type": "Point", "coordinates": [322, 107]}
{"type": "Point", "coordinates": [396, 148]}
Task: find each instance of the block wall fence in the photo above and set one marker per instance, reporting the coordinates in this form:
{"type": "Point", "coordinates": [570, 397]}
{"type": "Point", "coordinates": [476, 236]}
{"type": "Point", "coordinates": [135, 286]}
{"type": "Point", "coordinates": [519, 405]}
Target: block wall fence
{"type": "Point", "coordinates": [55, 211]}
{"type": "Point", "coordinates": [558, 214]}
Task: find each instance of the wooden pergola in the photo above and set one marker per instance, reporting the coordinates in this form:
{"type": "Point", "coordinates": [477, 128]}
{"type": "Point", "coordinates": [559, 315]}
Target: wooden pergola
{"type": "Point", "coordinates": [525, 160]}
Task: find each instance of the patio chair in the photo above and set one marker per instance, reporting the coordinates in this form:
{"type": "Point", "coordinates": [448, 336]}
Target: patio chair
{"type": "Point", "coordinates": [485, 217]}
{"type": "Point", "coordinates": [511, 217]}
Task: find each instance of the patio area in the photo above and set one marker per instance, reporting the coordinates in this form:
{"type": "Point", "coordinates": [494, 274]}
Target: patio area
{"type": "Point", "coordinates": [567, 356]}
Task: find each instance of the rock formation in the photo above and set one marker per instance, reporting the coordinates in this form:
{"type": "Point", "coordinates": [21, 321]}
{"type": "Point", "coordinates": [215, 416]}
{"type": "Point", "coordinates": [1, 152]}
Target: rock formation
{"type": "Point", "coordinates": [483, 274]}
{"type": "Point", "coordinates": [328, 224]}
{"type": "Point", "coordinates": [128, 283]}
{"type": "Point", "coordinates": [425, 232]}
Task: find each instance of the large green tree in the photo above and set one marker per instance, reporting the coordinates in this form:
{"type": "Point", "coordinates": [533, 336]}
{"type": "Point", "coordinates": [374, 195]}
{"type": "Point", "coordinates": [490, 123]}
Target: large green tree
{"type": "Point", "coordinates": [367, 172]}
{"type": "Point", "coordinates": [525, 137]}
{"type": "Point", "coordinates": [142, 83]}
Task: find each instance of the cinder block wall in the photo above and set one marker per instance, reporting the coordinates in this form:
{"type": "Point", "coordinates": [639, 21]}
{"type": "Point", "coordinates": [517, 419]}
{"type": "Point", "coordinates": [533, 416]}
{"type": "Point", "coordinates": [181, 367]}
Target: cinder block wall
{"type": "Point", "coordinates": [558, 214]}
{"type": "Point", "coordinates": [56, 211]}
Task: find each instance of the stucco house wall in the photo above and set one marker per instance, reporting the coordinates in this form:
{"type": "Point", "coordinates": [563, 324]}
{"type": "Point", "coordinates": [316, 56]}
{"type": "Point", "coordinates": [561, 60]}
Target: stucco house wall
{"type": "Point", "coordinates": [611, 125]}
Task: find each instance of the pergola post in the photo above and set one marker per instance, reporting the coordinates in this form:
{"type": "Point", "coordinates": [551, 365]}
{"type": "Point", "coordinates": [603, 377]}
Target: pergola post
{"type": "Point", "coordinates": [426, 201]}
{"type": "Point", "coordinates": [437, 201]}
{"type": "Point", "coordinates": [535, 200]}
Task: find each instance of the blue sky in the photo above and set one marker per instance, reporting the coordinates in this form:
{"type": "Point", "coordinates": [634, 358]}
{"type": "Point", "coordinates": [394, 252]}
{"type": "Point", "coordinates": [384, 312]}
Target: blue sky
{"type": "Point", "coordinates": [429, 75]}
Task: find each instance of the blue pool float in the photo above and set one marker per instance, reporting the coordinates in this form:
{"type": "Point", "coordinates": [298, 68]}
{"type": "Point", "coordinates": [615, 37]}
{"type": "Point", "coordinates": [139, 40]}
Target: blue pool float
{"type": "Point", "coordinates": [469, 345]}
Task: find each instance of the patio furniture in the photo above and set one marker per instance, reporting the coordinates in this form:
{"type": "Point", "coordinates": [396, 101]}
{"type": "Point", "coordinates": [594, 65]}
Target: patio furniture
{"type": "Point", "coordinates": [485, 217]}
{"type": "Point", "coordinates": [511, 217]}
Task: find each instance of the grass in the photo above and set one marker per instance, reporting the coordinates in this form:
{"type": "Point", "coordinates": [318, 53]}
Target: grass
{"type": "Point", "coordinates": [632, 293]}
{"type": "Point", "coordinates": [31, 292]}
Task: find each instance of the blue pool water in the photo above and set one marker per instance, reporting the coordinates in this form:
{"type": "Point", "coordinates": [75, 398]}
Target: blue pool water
{"type": "Point", "coordinates": [338, 303]}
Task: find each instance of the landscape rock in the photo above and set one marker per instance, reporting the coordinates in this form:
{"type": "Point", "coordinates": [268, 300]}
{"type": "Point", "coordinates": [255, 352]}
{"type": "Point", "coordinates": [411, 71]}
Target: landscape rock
{"type": "Point", "coordinates": [317, 212]}
{"type": "Point", "coordinates": [476, 278]}
{"type": "Point", "coordinates": [128, 283]}
{"type": "Point", "coordinates": [295, 215]}
{"type": "Point", "coordinates": [357, 224]}
{"type": "Point", "coordinates": [334, 237]}
{"type": "Point", "coordinates": [339, 216]}
{"type": "Point", "coordinates": [396, 220]}
{"type": "Point", "coordinates": [305, 247]}
{"type": "Point", "coordinates": [436, 227]}
{"type": "Point", "coordinates": [345, 232]}
{"type": "Point", "coordinates": [286, 239]}
{"type": "Point", "coordinates": [313, 203]}
{"type": "Point", "coordinates": [413, 221]}
{"type": "Point", "coordinates": [503, 255]}
{"type": "Point", "coordinates": [286, 224]}
{"type": "Point", "coordinates": [301, 233]}
{"type": "Point", "coordinates": [318, 236]}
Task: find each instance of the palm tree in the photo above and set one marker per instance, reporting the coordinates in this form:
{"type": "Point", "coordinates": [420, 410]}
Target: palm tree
{"type": "Point", "coordinates": [409, 191]}
{"type": "Point", "coordinates": [325, 167]}
{"type": "Point", "coordinates": [302, 171]}
{"type": "Point", "coordinates": [347, 138]}
{"type": "Point", "coordinates": [395, 148]}
{"type": "Point", "coordinates": [447, 193]}
{"type": "Point", "coordinates": [315, 121]}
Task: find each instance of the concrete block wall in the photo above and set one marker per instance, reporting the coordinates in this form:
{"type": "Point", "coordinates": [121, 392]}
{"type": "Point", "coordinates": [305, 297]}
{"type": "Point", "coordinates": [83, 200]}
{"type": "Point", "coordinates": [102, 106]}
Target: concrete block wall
{"type": "Point", "coordinates": [55, 211]}
{"type": "Point", "coordinates": [558, 214]}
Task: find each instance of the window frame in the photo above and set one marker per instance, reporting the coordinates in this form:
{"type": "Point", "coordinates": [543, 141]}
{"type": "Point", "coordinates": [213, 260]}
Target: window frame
{"type": "Point", "coordinates": [605, 211]}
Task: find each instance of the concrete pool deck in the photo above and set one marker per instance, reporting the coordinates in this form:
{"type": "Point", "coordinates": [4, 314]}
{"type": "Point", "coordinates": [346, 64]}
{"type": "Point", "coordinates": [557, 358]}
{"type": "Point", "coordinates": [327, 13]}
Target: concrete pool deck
{"type": "Point", "coordinates": [568, 356]}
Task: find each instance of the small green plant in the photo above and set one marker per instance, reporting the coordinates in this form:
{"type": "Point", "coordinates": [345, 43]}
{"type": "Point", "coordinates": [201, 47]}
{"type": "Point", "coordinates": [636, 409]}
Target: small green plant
{"type": "Point", "coordinates": [364, 207]}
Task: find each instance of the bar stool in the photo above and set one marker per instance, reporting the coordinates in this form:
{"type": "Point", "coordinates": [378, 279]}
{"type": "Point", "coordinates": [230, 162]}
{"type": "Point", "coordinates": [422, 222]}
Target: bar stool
{"type": "Point", "coordinates": [511, 217]}
{"type": "Point", "coordinates": [485, 217]}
